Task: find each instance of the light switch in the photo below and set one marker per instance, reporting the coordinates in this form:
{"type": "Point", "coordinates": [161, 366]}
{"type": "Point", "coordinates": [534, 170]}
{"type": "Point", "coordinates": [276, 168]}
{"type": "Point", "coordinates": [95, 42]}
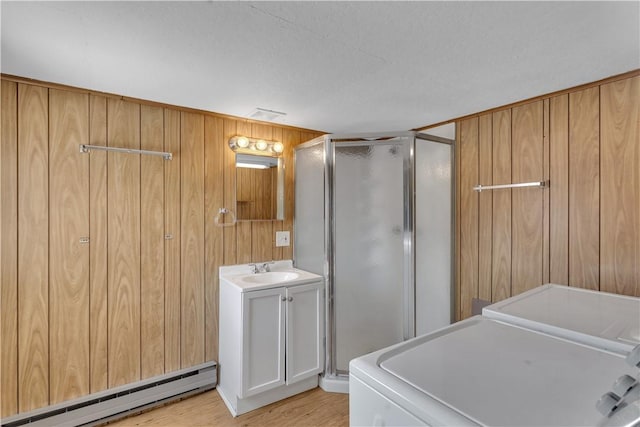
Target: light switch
{"type": "Point", "coordinates": [282, 238]}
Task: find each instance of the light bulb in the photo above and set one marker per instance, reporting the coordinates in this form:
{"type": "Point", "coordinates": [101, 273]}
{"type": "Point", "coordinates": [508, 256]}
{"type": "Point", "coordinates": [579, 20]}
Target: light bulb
{"type": "Point", "coordinates": [278, 147]}
{"type": "Point", "coordinates": [261, 145]}
{"type": "Point", "coordinates": [242, 142]}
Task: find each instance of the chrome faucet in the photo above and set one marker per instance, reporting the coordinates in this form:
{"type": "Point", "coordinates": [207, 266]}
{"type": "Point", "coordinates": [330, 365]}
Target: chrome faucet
{"type": "Point", "coordinates": [265, 267]}
{"type": "Point", "coordinates": [260, 268]}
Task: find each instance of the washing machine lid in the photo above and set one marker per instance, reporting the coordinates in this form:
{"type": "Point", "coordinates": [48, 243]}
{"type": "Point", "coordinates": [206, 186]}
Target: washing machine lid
{"type": "Point", "coordinates": [497, 374]}
{"type": "Point", "coordinates": [600, 319]}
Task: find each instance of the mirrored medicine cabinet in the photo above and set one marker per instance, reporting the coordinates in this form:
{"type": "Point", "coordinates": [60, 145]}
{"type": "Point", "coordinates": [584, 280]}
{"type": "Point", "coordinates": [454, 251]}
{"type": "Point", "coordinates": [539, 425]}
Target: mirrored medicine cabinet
{"type": "Point", "coordinates": [259, 184]}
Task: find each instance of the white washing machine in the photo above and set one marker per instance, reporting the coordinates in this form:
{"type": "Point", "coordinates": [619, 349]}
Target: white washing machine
{"type": "Point", "coordinates": [486, 372]}
{"type": "Point", "coordinates": [600, 319]}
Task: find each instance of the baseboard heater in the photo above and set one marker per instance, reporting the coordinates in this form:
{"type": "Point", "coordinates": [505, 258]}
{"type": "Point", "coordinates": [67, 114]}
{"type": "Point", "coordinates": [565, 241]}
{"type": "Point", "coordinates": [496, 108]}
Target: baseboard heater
{"type": "Point", "coordinates": [108, 405]}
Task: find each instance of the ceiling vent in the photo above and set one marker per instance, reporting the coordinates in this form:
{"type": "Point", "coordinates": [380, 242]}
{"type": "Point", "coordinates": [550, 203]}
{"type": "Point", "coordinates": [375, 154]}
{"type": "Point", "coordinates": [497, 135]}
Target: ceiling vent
{"type": "Point", "coordinates": [265, 115]}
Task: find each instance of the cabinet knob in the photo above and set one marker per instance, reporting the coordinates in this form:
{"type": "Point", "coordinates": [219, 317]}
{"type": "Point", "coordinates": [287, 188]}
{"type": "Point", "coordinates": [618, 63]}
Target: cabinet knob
{"type": "Point", "coordinates": [284, 298]}
{"type": "Point", "coordinates": [290, 299]}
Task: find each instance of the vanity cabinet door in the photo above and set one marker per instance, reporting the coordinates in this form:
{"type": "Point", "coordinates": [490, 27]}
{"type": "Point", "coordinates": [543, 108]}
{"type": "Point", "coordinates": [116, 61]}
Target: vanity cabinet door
{"type": "Point", "coordinates": [263, 320]}
{"type": "Point", "coordinates": [304, 331]}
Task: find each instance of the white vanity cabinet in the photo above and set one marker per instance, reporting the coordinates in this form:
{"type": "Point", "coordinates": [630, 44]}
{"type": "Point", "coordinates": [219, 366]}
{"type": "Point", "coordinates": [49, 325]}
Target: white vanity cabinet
{"type": "Point", "coordinates": [281, 334]}
{"type": "Point", "coordinates": [271, 339]}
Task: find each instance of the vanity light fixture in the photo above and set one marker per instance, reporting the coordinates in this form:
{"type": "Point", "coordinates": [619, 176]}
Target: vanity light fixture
{"type": "Point", "coordinates": [242, 142]}
{"type": "Point", "coordinates": [246, 145]}
{"type": "Point", "coordinates": [261, 145]}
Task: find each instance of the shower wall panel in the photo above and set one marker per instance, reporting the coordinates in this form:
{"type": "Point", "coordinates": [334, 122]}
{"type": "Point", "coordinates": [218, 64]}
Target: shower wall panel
{"type": "Point", "coordinates": [434, 227]}
{"type": "Point", "coordinates": [309, 211]}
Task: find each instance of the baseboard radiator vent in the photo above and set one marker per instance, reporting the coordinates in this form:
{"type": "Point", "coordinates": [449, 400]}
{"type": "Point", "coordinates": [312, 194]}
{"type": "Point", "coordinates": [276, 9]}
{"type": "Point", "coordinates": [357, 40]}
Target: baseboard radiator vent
{"type": "Point", "coordinates": [109, 405]}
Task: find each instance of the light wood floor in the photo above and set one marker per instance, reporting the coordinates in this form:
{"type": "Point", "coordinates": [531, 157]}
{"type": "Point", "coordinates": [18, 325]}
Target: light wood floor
{"type": "Point", "coordinates": [312, 408]}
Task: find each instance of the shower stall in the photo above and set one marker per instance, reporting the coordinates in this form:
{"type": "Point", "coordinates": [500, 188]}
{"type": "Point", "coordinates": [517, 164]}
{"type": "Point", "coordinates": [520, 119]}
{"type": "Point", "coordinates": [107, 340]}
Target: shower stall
{"type": "Point", "coordinates": [374, 216]}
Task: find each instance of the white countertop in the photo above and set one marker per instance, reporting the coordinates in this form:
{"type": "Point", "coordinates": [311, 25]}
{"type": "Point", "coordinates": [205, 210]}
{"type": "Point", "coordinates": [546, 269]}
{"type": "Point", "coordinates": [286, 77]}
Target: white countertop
{"type": "Point", "coordinates": [233, 275]}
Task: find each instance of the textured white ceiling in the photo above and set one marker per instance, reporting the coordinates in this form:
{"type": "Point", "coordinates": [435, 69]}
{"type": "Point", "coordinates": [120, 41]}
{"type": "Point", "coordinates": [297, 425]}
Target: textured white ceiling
{"type": "Point", "coordinates": [332, 66]}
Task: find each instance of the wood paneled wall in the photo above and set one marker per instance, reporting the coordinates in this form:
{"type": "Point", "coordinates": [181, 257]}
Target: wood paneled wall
{"type": "Point", "coordinates": [140, 298]}
{"type": "Point", "coordinates": [584, 230]}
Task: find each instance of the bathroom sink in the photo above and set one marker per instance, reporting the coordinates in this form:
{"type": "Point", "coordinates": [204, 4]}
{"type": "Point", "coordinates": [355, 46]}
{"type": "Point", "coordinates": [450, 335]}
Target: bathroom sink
{"type": "Point", "coordinates": [282, 273]}
{"type": "Point", "coordinates": [271, 277]}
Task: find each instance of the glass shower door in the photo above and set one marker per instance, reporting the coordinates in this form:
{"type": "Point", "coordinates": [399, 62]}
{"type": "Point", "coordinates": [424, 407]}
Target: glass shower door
{"type": "Point", "coordinates": [372, 244]}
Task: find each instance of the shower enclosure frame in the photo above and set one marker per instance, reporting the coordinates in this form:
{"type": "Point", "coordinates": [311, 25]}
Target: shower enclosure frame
{"type": "Point", "coordinates": [409, 223]}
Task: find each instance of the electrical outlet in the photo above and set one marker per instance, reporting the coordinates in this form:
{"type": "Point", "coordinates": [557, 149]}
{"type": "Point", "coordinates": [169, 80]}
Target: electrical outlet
{"type": "Point", "coordinates": [282, 238]}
